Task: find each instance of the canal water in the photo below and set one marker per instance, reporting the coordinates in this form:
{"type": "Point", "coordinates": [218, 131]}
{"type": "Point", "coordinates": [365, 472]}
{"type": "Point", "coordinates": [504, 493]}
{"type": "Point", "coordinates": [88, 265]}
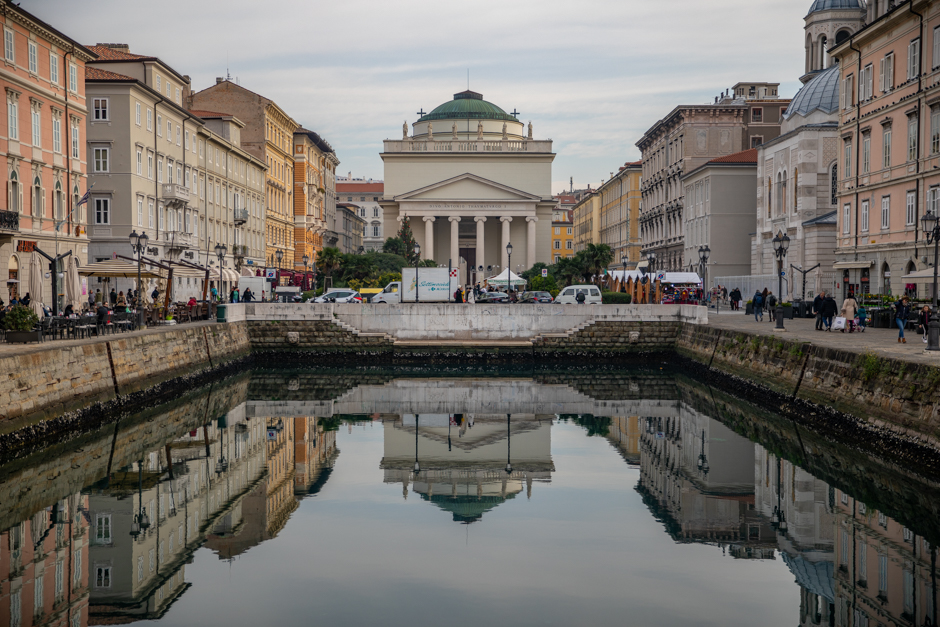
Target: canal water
{"type": "Point", "coordinates": [412, 498]}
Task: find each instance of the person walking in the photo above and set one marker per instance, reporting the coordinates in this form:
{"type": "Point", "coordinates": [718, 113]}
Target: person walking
{"type": "Point", "coordinates": [923, 321]}
{"type": "Point", "coordinates": [772, 306]}
{"type": "Point", "coordinates": [902, 313]}
{"type": "Point", "coordinates": [91, 300]}
{"type": "Point", "coordinates": [112, 297]}
{"type": "Point", "coordinates": [235, 295]}
{"type": "Point", "coordinates": [98, 296]}
{"type": "Point", "coordinates": [849, 310]}
{"type": "Point", "coordinates": [215, 293]}
{"type": "Point", "coordinates": [758, 303]}
{"type": "Point", "coordinates": [817, 309]}
{"type": "Point", "coordinates": [458, 296]}
{"type": "Point", "coordinates": [829, 310]}
{"type": "Point", "coordinates": [736, 299]}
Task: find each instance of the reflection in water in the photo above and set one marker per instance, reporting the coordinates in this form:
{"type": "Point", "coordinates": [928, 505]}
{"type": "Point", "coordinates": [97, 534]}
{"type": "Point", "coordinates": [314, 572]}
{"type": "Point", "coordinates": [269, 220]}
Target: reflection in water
{"type": "Point", "coordinates": [114, 549]}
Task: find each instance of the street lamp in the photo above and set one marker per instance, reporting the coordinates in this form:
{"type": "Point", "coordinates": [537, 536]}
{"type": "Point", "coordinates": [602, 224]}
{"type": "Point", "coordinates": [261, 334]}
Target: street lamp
{"type": "Point", "coordinates": [220, 251]}
{"type": "Point", "coordinates": [138, 245]}
{"type": "Point", "coordinates": [651, 268]}
{"type": "Point", "coordinates": [623, 279]}
{"type": "Point", "coordinates": [932, 231]}
{"type": "Point", "coordinates": [306, 260]}
{"type": "Point", "coordinates": [781, 244]}
{"type": "Point", "coordinates": [702, 458]}
{"type": "Point", "coordinates": [509, 267]}
{"type": "Point", "coordinates": [703, 253]}
{"type": "Point", "coordinates": [417, 257]}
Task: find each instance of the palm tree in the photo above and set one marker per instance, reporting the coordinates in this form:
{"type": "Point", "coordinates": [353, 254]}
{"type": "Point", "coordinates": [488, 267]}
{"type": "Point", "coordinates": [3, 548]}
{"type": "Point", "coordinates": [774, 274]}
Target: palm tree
{"type": "Point", "coordinates": [599, 257]}
{"type": "Point", "coordinates": [329, 260]}
{"type": "Point", "coordinates": [567, 269]}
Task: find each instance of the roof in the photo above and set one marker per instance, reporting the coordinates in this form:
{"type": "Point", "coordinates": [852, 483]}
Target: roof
{"type": "Point", "coordinates": [829, 5]}
{"type": "Point", "coordinates": [318, 141]}
{"type": "Point", "coordinates": [106, 53]}
{"type": "Point", "coordinates": [566, 199]}
{"type": "Point", "coordinates": [83, 51]}
{"type": "Point", "coordinates": [468, 105]}
{"type": "Point", "coordinates": [360, 187]}
{"type": "Point", "coordinates": [97, 74]}
{"type": "Point", "coordinates": [822, 92]}
{"type": "Point", "coordinates": [745, 156]}
{"type": "Point", "coordinates": [202, 113]}
{"type": "Point", "coordinates": [826, 218]}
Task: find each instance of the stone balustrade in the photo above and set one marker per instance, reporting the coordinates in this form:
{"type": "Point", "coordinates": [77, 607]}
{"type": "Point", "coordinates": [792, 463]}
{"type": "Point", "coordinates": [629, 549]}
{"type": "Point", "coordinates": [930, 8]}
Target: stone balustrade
{"type": "Point", "coordinates": [452, 145]}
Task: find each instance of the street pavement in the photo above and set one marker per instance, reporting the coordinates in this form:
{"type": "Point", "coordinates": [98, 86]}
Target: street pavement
{"type": "Point", "coordinates": [880, 341]}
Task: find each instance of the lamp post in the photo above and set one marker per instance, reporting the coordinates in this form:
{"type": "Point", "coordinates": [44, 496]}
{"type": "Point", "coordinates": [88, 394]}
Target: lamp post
{"type": "Point", "coordinates": [932, 231]}
{"type": "Point", "coordinates": [306, 260]}
{"type": "Point", "coordinates": [141, 521]}
{"type": "Point", "coordinates": [417, 465]}
{"type": "Point", "coordinates": [220, 251]}
{"type": "Point", "coordinates": [702, 458]}
{"type": "Point", "coordinates": [509, 268]}
{"type": "Point", "coordinates": [417, 257]}
{"type": "Point", "coordinates": [651, 265]}
{"type": "Point", "coordinates": [138, 245]}
{"type": "Point", "coordinates": [279, 255]}
{"type": "Point", "coordinates": [623, 279]}
{"type": "Point", "coordinates": [703, 253]}
{"type": "Point", "coordinates": [781, 244]}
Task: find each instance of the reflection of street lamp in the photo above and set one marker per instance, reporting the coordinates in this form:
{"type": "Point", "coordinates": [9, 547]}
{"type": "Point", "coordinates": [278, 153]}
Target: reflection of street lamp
{"type": "Point", "coordinates": [141, 521]}
{"type": "Point", "coordinates": [778, 519]}
{"type": "Point", "coordinates": [508, 445]}
{"type": "Point", "coordinates": [932, 231]}
{"type": "Point", "coordinates": [702, 458]}
{"type": "Point", "coordinates": [417, 256]}
{"type": "Point", "coordinates": [781, 244]}
{"type": "Point", "coordinates": [417, 465]}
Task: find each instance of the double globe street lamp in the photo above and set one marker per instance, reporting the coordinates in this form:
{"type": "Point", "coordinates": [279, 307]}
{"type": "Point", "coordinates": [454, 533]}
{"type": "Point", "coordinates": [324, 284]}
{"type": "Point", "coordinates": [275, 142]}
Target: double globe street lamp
{"type": "Point", "coordinates": [220, 250]}
{"type": "Point", "coordinates": [509, 268]}
{"type": "Point", "coordinates": [138, 245]}
{"type": "Point", "coordinates": [650, 269]}
{"type": "Point", "coordinates": [932, 231]}
{"type": "Point", "coordinates": [417, 251]}
{"type": "Point", "coordinates": [781, 243]}
{"type": "Point", "coordinates": [703, 253]}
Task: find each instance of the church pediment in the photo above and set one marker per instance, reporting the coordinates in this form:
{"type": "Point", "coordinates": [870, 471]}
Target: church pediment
{"type": "Point", "coordinates": [467, 187]}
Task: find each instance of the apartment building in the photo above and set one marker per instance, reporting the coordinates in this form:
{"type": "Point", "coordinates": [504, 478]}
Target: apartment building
{"type": "Point", "coordinates": [350, 226]}
{"type": "Point", "coordinates": [889, 147]}
{"type": "Point", "coordinates": [314, 195]}
{"type": "Point", "coordinates": [586, 217]}
{"type": "Point", "coordinates": [741, 118]}
{"type": "Point", "coordinates": [365, 194]}
{"type": "Point", "coordinates": [619, 211]}
{"type": "Point", "coordinates": [42, 149]}
{"type": "Point", "coordinates": [563, 227]}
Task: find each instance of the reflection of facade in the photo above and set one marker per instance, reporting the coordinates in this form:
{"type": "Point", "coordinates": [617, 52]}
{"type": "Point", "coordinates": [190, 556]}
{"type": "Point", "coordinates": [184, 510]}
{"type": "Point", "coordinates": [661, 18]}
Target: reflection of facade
{"type": "Point", "coordinates": [884, 572]}
{"type": "Point", "coordinates": [188, 491]}
{"type": "Point", "coordinates": [698, 476]}
{"type": "Point", "coordinates": [314, 452]}
{"type": "Point", "coordinates": [624, 434]}
{"type": "Point", "coordinates": [44, 567]}
{"type": "Point", "coordinates": [467, 464]}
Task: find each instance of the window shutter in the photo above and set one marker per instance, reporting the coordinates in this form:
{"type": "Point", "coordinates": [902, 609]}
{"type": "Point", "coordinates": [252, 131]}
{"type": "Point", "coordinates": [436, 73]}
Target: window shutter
{"type": "Point", "coordinates": [881, 75]}
{"type": "Point", "coordinates": [936, 47]}
{"type": "Point", "coordinates": [842, 94]}
{"type": "Point", "coordinates": [890, 69]}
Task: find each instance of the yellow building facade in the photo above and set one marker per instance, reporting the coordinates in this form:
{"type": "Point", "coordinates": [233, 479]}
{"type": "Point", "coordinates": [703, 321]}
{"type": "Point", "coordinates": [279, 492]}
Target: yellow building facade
{"type": "Point", "coordinates": [563, 228]}
{"type": "Point", "coordinates": [587, 220]}
{"type": "Point", "coordinates": [314, 183]}
{"type": "Point", "coordinates": [620, 199]}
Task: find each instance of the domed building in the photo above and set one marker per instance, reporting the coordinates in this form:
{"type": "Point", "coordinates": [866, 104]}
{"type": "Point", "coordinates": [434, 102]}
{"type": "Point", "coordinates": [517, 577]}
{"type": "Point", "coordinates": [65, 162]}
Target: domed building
{"type": "Point", "coordinates": [471, 179]}
{"type": "Point", "coordinates": [798, 172]}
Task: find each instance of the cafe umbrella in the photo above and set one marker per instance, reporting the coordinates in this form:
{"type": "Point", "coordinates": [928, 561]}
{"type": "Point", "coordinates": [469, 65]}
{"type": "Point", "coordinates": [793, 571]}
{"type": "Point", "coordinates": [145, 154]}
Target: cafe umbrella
{"type": "Point", "coordinates": [35, 284]}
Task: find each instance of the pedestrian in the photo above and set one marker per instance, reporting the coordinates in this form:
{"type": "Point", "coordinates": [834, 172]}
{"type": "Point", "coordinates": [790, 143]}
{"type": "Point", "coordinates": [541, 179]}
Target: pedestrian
{"type": "Point", "coordinates": [155, 295]}
{"type": "Point", "coordinates": [98, 296]}
{"type": "Point", "coordinates": [829, 310]}
{"type": "Point", "coordinates": [902, 312]}
{"type": "Point", "coordinates": [457, 298]}
{"type": "Point", "coordinates": [215, 294]}
{"type": "Point", "coordinates": [758, 304]}
{"type": "Point", "coordinates": [772, 306]}
{"type": "Point", "coordinates": [121, 300]}
{"type": "Point", "coordinates": [91, 300]}
{"type": "Point", "coordinates": [817, 309]}
{"type": "Point", "coordinates": [724, 293]}
{"type": "Point", "coordinates": [923, 320]}
{"type": "Point", "coordinates": [112, 297]}
{"type": "Point", "coordinates": [736, 299]}
{"type": "Point", "coordinates": [25, 300]}
{"type": "Point", "coordinates": [849, 311]}
{"type": "Point", "coordinates": [247, 296]}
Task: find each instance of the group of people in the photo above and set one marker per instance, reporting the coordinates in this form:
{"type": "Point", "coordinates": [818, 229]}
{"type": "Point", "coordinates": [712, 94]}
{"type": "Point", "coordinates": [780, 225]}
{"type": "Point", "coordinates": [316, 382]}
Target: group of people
{"type": "Point", "coordinates": [826, 310]}
{"type": "Point", "coordinates": [902, 315]}
{"type": "Point", "coordinates": [759, 301]}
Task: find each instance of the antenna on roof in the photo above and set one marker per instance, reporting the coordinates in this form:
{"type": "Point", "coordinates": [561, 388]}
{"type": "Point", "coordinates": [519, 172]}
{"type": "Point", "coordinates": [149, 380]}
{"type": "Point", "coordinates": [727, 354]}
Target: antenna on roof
{"type": "Point", "coordinates": [468, 79]}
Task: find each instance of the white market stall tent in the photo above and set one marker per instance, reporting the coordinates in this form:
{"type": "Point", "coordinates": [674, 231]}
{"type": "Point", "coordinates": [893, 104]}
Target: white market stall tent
{"type": "Point", "coordinates": [506, 277]}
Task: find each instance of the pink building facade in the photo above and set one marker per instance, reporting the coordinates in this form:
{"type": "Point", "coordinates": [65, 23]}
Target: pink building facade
{"type": "Point", "coordinates": [42, 148]}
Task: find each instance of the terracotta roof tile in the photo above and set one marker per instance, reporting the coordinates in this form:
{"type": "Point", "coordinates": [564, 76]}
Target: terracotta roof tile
{"type": "Point", "coordinates": [746, 156]}
{"type": "Point", "coordinates": [97, 74]}
{"type": "Point", "coordinates": [202, 113]}
{"type": "Point", "coordinates": [110, 54]}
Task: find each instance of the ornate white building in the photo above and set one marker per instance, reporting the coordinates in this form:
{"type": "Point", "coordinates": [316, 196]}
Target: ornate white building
{"type": "Point", "coordinates": [471, 179]}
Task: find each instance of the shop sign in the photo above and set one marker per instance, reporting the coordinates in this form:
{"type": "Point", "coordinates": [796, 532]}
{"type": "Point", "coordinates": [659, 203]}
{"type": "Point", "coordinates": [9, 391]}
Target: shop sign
{"type": "Point", "coordinates": [25, 246]}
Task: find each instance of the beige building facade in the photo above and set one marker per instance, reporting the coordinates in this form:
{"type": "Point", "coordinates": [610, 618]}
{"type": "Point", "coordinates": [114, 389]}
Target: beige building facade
{"type": "Point", "coordinates": [619, 213]}
{"type": "Point", "coordinates": [471, 179]}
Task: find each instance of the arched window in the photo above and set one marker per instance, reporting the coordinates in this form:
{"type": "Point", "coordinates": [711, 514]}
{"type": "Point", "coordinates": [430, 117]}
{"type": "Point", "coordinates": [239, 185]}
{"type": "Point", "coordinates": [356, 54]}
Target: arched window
{"type": "Point", "coordinates": [809, 53]}
{"type": "Point", "coordinates": [886, 277]}
{"type": "Point", "coordinates": [37, 197]}
{"type": "Point", "coordinates": [58, 204]}
{"type": "Point", "coordinates": [823, 55]}
{"type": "Point", "coordinates": [79, 212]}
{"type": "Point", "coordinates": [782, 207]}
{"type": "Point", "coordinates": [841, 36]}
{"type": "Point", "coordinates": [796, 185]}
{"type": "Point", "coordinates": [834, 185]}
{"type": "Point", "coordinates": [770, 196]}
{"type": "Point", "coordinates": [15, 195]}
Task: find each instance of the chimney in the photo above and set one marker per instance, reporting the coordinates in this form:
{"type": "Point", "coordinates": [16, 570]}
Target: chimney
{"type": "Point", "coordinates": [219, 79]}
{"type": "Point", "coordinates": [117, 47]}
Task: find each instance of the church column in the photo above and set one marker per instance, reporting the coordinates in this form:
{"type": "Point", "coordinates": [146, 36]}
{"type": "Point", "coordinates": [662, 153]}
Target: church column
{"type": "Point", "coordinates": [502, 253]}
{"type": "Point", "coordinates": [530, 241]}
{"type": "Point", "coordinates": [481, 223]}
{"type": "Point", "coordinates": [455, 241]}
{"type": "Point", "coordinates": [428, 237]}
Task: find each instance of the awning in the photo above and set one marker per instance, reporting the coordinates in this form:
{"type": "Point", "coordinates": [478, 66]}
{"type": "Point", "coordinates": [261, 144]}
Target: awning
{"type": "Point", "coordinates": [926, 273]}
{"type": "Point", "coordinates": [852, 265]}
{"type": "Point", "coordinates": [227, 275]}
{"type": "Point", "coordinates": [118, 268]}
{"type": "Point", "coordinates": [186, 272]}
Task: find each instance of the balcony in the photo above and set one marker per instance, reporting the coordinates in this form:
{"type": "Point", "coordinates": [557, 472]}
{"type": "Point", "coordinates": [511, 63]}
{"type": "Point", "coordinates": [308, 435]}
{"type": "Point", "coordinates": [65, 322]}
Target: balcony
{"type": "Point", "coordinates": [173, 193]}
{"type": "Point", "coordinates": [9, 221]}
{"type": "Point", "coordinates": [240, 251]}
{"type": "Point", "coordinates": [179, 240]}
{"type": "Point", "coordinates": [241, 216]}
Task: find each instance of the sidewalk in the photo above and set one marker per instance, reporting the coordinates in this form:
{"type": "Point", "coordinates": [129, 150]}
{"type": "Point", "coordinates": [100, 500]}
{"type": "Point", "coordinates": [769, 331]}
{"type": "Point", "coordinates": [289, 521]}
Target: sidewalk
{"type": "Point", "coordinates": [880, 341]}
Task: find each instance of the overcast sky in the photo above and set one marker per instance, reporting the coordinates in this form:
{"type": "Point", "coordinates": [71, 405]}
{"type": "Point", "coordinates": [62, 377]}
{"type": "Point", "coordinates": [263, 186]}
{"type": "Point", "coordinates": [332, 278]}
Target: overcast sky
{"type": "Point", "coordinates": [591, 75]}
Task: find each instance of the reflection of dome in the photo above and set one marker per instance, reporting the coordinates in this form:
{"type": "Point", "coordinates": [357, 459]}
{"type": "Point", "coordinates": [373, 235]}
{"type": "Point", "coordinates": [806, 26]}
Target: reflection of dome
{"type": "Point", "coordinates": [468, 104]}
{"type": "Point", "coordinates": [829, 5]}
{"type": "Point", "coordinates": [821, 93]}
{"type": "Point", "coordinates": [466, 508]}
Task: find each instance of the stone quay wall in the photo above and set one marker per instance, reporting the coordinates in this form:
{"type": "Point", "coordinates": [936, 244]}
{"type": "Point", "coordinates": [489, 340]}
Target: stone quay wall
{"type": "Point", "coordinates": [56, 379]}
{"type": "Point", "coordinates": [901, 396]}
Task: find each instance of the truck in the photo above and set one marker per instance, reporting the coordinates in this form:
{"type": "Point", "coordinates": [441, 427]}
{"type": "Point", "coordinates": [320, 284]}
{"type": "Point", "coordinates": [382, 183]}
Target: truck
{"type": "Point", "coordinates": [258, 284]}
{"type": "Point", "coordinates": [434, 285]}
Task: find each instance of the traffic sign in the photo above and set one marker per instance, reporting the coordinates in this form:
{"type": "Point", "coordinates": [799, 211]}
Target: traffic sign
{"type": "Point", "coordinates": [544, 273]}
{"type": "Point", "coordinates": [783, 273]}
{"type": "Point", "coordinates": [660, 276]}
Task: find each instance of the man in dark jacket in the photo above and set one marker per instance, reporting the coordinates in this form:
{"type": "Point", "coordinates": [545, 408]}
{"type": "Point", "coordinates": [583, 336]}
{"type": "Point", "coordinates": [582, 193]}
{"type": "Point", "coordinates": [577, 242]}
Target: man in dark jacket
{"type": "Point", "coordinates": [817, 310]}
{"type": "Point", "coordinates": [829, 310]}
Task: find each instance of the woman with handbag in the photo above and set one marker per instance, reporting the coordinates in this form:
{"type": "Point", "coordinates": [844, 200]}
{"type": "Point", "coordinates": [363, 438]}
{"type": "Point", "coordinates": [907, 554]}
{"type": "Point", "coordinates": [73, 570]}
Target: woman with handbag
{"type": "Point", "coordinates": [923, 321]}
{"type": "Point", "coordinates": [849, 311]}
{"type": "Point", "coordinates": [902, 312]}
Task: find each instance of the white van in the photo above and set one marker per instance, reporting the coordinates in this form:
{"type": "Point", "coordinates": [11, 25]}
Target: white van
{"type": "Point", "coordinates": [569, 295]}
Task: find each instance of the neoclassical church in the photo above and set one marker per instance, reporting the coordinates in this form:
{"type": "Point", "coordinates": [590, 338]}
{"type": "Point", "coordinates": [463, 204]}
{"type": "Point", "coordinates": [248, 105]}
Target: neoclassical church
{"type": "Point", "coordinates": [798, 171]}
{"type": "Point", "coordinates": [471, 179]}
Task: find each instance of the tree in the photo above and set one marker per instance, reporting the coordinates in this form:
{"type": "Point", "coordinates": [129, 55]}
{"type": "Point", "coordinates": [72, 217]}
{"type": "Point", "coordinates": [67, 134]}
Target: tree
{"type": "Point", "coordinates": [427, 263]}
{"type": "Point", "coordinates": [394, 246]}
{"type": "Point", "coordinates": [388, 262]}
{"type": "Point", "coordinates": [535, 271]}
{"type": "Point", "coordinates": [408, 241]}
{"type": "Point", "coordinates": [598, 257]}
{"type": "Point", "coordinates": [568, 269]}
{"type": "Point", "coordinates": [360, 267]}
{"type": "Point", "coordinates": [329, 260]}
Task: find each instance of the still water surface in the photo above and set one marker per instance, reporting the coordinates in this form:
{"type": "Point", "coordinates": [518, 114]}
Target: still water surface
{"type": "Point", "coordinates": [293, 499]}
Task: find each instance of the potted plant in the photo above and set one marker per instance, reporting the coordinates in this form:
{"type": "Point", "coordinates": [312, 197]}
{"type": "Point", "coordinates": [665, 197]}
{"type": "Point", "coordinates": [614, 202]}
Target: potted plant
{"type": "Point", "coordinates": [787, 310]}
{"type": "Point", "coordinates": [20, 323]}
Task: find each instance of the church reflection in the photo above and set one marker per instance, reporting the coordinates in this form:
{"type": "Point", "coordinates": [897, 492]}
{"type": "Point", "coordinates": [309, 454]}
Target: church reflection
{"type": "Point", "coordinates": [467, 464]}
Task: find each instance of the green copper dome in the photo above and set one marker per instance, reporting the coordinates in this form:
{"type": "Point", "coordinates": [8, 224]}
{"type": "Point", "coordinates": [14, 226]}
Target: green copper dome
{"type": "Point", "coordinates": [468, 105]}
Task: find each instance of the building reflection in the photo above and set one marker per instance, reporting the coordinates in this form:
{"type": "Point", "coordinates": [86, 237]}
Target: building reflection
{"type": "Point", "coordinates": [624, 433]}
{"type": "Point", "coordinates": [467, 464]}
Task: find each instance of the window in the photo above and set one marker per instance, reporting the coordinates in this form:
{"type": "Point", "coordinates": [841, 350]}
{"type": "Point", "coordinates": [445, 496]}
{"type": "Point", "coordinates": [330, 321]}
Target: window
{"type": "Point", "coordinates": [846, 218]}
{"type": "Point", "coordinates": [169, 131]}
{"type": "Point", "coordinates": [557, 230]}
{"type": "Point", "coordinates": [932, 194]}
{"type": "Point", "coordinates": [73, 78]}
{"type": "Point", "coordinates": [913, 59]}
{"type": "Point", "coordinates": [57, 134]}
{"type": "Point", "coordinates": [186, 140]}
{"type": "Point", "coordinates": [159, 83]}
{"type": "Point", "coordinates": [847, 166]}
{"type": "Point", "coordinates": [557, 244]}
{"type": "Point", "coordinates": [150, 165]}
{"type": "Point", "coordinates": [53, 68]}
{"type": "Point", "coordinates": [882, 574]}
{"type": "Point", "coordinates": [58, 202]}
{"type": "Point", "coordinates": [569, 230]}
{"type": "Point", "coordinates": [103, 529]}
{"type": "Point", "coordinates": [863, 219]}
{"type": "Point", "coordinates": [102, 211]}
{"type": "Point", "coordinates": [886, 147]}
{"type": "Point", "coordinates": [59, 577]}
{"type": "Point", "coordinates": [886, 73]}
{"type": "Point", "coordinates": [935, 130]}
{"type": "Point", "coordinates": [178, 140]}
{"type": "Point", "coordinates": [912, 138]}
{"type": "Point", "coordinates": [936, 47]}
{"type": "Point", "coordinates": [159, 126]}
{"type": "Point", "coordinates": [75, 135]}
{"type": "Point", "coordinates": [13, 115]}
{"type": "Point", "coordinates": [150, 213]}
{"type": "Point", "coordinates": [847, 92]}
{"type": "Point", "coordinates": [866, 153]}
{"type": "Point", "coordinates": [102, 576]}
{"type": "Point", "coordinates": [8, 48]}
{"type": "Point", "coordinates": [569, 245]}
{"type": "Point", "coordinates": [37, 125]}
{"type": "Point", "coordinates": [33, 58]}
{"type": "Point", "coordinates": [137, 113]}
{"type": "Point", "coordinates": [101, 159]}
{"type": "Point", "coordinates": [757, 114]}
{"type": "Point", "coordinates": [865, 83]}
{"type": "Point", "coordinates": [149, 119]}
{"type": "Point", "coordinates": [177, 96]}
{"type": "Point", "coordinates": [375, 212]}
{"type": "Point", "coordinates": [140, 211]}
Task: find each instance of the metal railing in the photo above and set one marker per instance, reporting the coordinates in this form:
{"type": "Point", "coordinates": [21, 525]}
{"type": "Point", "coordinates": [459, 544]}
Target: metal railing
{"type": "Point", "coordinates": [9, 221]}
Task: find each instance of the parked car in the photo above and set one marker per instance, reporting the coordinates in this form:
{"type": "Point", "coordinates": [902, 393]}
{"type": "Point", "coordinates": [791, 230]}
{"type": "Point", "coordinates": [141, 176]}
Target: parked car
{"type": "Point", "coordinates": [493, 297]}
{"type": "Point", "coordinates": [535, 297]}
{"type": "Point", "coordinates": [339, 295]}
{"type": "Point", "coordinates": [569, 295]}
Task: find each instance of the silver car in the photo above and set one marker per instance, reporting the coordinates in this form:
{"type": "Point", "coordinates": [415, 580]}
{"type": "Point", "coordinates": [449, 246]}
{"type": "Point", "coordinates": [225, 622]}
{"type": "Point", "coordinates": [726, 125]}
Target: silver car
{"type": "Point", "coordinates": [339, 295]}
